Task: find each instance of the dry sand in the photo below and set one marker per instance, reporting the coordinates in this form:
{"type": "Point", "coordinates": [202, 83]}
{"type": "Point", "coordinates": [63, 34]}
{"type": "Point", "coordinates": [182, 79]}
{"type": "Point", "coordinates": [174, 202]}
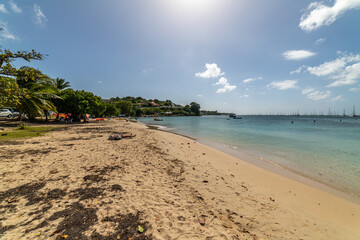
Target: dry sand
{"type": "Point", "coordinates": [77, 184]}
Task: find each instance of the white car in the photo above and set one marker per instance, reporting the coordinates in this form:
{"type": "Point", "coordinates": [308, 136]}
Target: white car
{"type": "Point", "coordinates": [5, 113]}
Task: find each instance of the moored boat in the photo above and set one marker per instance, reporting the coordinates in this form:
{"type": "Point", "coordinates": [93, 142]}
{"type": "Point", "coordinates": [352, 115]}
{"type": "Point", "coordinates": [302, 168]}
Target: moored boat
{"type": "Point", "coordinates": [157, 119]}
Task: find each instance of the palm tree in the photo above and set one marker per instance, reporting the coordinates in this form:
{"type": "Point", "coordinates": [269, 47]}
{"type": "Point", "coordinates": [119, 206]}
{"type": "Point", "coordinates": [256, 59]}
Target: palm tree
{"type": "Point", "coordinates": [39, 91]}
{"type": "Point", "coordinates": [61, 84]}
{"type": "Point", "coordinates": [37, 98]}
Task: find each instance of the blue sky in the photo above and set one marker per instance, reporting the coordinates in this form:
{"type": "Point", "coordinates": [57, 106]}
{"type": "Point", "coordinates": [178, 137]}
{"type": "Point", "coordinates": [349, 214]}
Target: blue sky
{"type": "Point", "coordinates": [244, 56]}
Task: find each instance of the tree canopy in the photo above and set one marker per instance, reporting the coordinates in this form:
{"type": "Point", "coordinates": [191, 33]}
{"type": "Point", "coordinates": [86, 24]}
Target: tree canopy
{"type": "Point", "coordinates": [61, 83]}
{"type": "Point", "coordinates": [7, 57]}
{"type": "Point", "coordinates": [125, 107]}
{"type": "Point", "coordinates": [10, 91]}
{"type": "Point", "coordinates": [195, 108]}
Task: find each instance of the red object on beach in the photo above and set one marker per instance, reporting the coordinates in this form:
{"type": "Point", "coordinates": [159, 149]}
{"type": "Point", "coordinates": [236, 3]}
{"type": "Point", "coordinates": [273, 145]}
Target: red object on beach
{"type": "Point", "coordinates": [99, 119]}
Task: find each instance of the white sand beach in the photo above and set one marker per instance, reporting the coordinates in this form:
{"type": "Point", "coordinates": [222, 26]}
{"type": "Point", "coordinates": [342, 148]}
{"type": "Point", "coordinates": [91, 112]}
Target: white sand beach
{"type": "Point", "coordinates": [77, 184]}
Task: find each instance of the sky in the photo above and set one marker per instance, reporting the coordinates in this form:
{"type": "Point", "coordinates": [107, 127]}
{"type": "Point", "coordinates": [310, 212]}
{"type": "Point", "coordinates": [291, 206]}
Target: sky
{"type": "Point", "coordinates": [242, 56]}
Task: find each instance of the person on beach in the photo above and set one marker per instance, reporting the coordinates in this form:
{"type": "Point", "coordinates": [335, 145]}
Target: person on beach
{"type": "Point", "coordinates": [120, 136]}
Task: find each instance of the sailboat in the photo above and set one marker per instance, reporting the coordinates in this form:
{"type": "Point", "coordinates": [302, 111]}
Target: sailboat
{"type": "Point", "coordinates": [353, 114]}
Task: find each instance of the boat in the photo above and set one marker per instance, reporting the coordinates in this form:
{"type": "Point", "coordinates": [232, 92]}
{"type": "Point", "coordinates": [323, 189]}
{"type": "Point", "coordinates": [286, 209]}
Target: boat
{"type": "Point", "coordinates": [234, 116]}
{"type": "Point", "coordinates": [157, 119]}
{"type": "Point", "coordinates": [353, 114]}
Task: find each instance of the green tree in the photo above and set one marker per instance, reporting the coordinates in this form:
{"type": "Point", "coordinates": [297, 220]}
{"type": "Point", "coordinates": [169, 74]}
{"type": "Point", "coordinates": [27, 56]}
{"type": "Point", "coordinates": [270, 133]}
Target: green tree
{"type": "Point", "coordinates": [98, 108]}
{"type": "Point", "coordinates": [125, 107]}
{"type": "Point", "coordinates": [7, 57]}
{"type": "Point", "coordinates": [61, 84]}
{"type": "Point", "coordinates": [116, 99]}
{"type": "Point", "coordinates": [110, 110]}
{"type": "Point", "coordinates": [79, 103]}
{"type": "Point", "coordinates": [187, 109]}
{"type": "Point", "coordinates": [37, 93]}
{"type": "Point", "coordinates": [140, 100]}
{"type": "Point", "coordinates": [10, 91]}
{"type": "Point", "coordinates": [195, 108]}
{"type": "Point", "coordinates": [138, 112]}
{"type": "Point", "coordinates": [168, 103]}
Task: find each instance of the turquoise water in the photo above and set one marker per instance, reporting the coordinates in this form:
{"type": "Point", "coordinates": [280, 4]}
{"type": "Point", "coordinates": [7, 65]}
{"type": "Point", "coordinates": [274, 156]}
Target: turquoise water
{"type": "Point", "coordinates": [327, 150]}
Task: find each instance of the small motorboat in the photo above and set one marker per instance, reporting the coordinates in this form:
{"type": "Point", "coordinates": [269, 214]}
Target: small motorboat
{"type": "Point", "coordinates": [157, 119]}
{"type": "Point", "coordinates": [234, 116]}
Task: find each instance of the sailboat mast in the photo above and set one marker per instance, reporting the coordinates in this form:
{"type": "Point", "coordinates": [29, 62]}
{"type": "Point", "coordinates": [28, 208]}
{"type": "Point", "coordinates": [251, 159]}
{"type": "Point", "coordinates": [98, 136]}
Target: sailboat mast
{"type": "Point", "coordinates": [354, 111]}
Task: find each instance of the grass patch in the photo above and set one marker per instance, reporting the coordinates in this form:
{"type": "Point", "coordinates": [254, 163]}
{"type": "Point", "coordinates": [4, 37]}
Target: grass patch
{"type": "Point", "coordinates": [27, 132]}
{"type": "Point", "coordinates": [22, 126]}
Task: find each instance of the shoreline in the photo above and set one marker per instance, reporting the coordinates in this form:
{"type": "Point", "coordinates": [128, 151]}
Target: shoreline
{"type": "Point", "coordinates": [281, 170]}
{"type": "Point", "coordinates": [266, 164]}
{"type": "Point", "coordinates": [295, 196]}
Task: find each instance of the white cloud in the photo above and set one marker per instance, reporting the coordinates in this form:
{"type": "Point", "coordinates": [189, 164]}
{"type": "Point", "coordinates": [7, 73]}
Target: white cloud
{"type": "Point", "coordinates": [354, 89]}
{"type": "Point", "coordinates": [246, 95]}
{"type": "Point", "coordinates": [297, 70]}
{"type": "Point", "coordinates": [222, 81]}
{"type": "Point", "coordinates": [3, 8]}
{"type": "Point", "coordinates": [345, 70]}
{"type": "Point", "coordinates": [307, 90]}
{"type": "Point", "coordinates": [318, 14]}
{"type": "Point", "coordinates": [15, 7]}
{"type": "Point", "coordinates": [200, 95]}
{"type": "Point", "coordinates": [315, 94]}
{"type": "Point", "coordinates": [100, 82]}
{"type": "Point", "coordinates": [5, 33]}
{"type": "Point", "coordinates": [327, 68]}
{"type": "Point", "coordinates": [348, 76]}
{"type": "Point", "coordinates": [248, 80]}
{"type": "Point", "coordinates": [320, 41]}
{"type": "Point", "coordinates": [284, 85]}
{"type": "Point", "coordinates": [40, 17]}
{"type": "Point", "coordinates": [337, 99]}
{"type": "Point", "coordinates": [226, 87]}
{"type": "Point", "coordinates": [298, 54]}
{"type": "Point", "coordinates": [212, 71]}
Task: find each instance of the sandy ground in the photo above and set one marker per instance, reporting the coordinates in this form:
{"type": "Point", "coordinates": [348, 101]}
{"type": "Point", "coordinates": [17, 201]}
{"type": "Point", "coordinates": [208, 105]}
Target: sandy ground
{"type": "Point", "coordinates": [77, 184]}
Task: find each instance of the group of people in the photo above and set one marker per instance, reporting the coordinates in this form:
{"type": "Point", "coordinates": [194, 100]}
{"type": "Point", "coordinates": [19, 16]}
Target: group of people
{"type": "Point", "coordinates": [66, 119]}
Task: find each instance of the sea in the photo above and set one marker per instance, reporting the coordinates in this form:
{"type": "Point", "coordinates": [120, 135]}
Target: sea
{"type": "Point", "coordinates": [323, 149]}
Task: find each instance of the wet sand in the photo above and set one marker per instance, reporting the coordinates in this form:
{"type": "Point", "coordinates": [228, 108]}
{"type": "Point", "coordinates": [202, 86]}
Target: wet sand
{"type": "Point", "coordinates": [77, 184]}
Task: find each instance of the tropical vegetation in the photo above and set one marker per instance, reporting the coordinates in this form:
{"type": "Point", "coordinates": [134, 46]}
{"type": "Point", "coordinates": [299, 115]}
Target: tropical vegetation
{"type": "Point", "coordinates": [35, 94]}
{"type": "Point", "coordinates": [140, 106]}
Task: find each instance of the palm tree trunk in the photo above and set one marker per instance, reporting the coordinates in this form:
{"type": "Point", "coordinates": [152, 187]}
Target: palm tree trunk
{"type": "Point", "coordinates": [20, 114]}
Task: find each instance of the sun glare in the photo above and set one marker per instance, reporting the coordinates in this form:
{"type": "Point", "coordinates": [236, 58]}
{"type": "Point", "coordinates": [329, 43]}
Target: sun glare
{"type": "Point", "coordinates": [195, 6]}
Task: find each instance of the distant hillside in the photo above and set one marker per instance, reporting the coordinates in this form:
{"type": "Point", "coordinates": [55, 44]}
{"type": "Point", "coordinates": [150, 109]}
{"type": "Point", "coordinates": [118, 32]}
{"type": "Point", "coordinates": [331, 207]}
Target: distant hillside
{"type": "Point", "coordinates": [149, 107]}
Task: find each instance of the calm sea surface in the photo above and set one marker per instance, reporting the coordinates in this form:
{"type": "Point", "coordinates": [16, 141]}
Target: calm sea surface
{"type": "Point", "coordinates": [326, 149]}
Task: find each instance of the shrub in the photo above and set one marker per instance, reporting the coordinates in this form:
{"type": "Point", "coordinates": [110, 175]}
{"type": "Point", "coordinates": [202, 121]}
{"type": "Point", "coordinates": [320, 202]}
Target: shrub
{"type": "Point", "coordinates": [22, 126]}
